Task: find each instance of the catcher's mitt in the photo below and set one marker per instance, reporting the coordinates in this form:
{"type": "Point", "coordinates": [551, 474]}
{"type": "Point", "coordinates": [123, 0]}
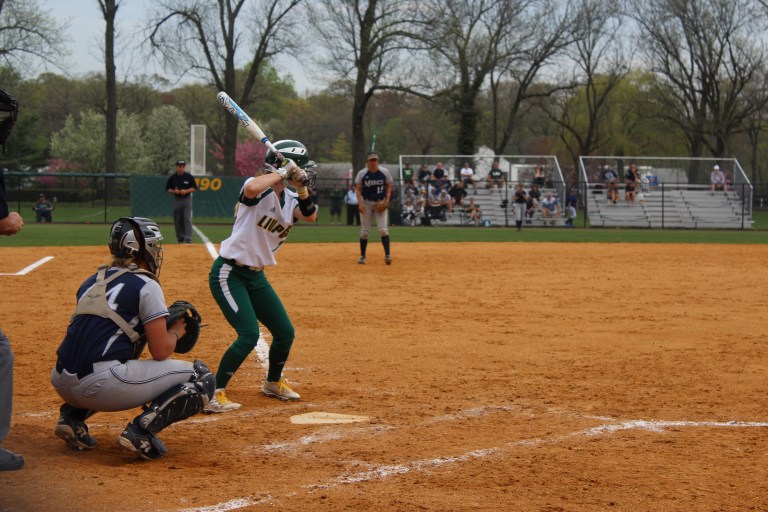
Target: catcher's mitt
{"type": "Point", "coordinates": [381, 205]}
{"type": "Point", "coordinates": [186, 311]}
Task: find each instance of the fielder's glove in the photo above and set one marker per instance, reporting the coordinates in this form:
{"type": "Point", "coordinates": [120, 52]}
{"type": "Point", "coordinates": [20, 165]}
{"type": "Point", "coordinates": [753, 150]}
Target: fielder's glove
{"type": "Point", "coordinates": [186, 311]}
{"type": "Point", "coordinates": [381, 205]}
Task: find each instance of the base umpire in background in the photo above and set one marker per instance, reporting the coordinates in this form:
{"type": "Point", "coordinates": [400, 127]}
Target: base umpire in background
{"type": "Point", "coordinates": [181, 184]}
{"type": "Point", "coordinates": [374, 188]}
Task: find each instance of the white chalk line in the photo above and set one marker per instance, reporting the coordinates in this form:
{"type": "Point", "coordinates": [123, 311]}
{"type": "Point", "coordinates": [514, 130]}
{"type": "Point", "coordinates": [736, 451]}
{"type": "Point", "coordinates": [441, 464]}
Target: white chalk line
{"type": "Point", "coordinates": [26, 270]}
{"type": "Point", "coordinates": [208, 244]}
{"type": "Point", "coordinates": [383, 471]}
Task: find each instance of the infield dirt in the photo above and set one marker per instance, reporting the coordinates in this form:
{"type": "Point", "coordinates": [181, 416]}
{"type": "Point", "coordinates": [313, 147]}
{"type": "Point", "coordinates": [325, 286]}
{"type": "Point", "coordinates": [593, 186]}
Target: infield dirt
{"type": "Point", "coordinates": [497, 376]}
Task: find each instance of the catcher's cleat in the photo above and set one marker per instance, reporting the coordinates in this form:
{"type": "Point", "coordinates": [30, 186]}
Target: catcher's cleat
{"type": "Point", "coordinates": [75, 433]}
{"type": "Point", "coordinates": [281, 390]}
{"type": "Point", "coordinates": [388, 259]}
{"type": "Point", "coordinates": [361, 260]}
{"type": "Point", "coordinates": [141, 442]}
{"type": "Point", "coordinates": [220, 403]}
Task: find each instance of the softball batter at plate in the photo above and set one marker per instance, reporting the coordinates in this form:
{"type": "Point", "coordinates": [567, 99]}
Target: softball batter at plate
{"type": "Point", "coordinates": [373, 185]}
{"type": "Point", "coordinates": [266, 212]}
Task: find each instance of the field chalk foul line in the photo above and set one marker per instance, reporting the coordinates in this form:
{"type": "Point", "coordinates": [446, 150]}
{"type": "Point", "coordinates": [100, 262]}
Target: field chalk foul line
{"type": "Point", "coordinates": [28, 269]}
{"type": "Point", "coordinates": [208, 244]}
{"type": "Point", "coordinates": [379, 472]}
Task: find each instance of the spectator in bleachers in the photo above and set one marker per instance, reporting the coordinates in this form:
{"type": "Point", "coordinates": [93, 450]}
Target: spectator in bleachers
{"type": "Point", "coordinates": [445, 201]}
{"type": "Point", "coordinates": [538, 176]}
{"type": "Point", "coordinates": [495, 177]}
{"type": "Point", "coordinates": [519, 201]}
{"type": "Point", "coordinates": [424, 175]}
{"type": "Point", "coordinates": [407, 174]}
{"type": "Point", "coordinates": [530, 208]}
{"type": "Point", "coordinates": [473, 212]}
{"type": "Point", "coordinates": [629, 193]}
{"type": "Point", "coordinates": [550, 207]}
{"type": "Point", "coordinates": [610, 178]}
{"type": "Point", "coordinates": [457, 193]}
{"type": "Point", "coordinates": [467, 175]}
{"type": "Point", "coordinates": [632, 175]}
{"type": "Point", "coordinates": [571, 200]}
{"type": "Point", "coordinates": [409, 213]}
{"type": "Point", "coordinates": [336, 197]}
{"type": "Point", "coordinates": [435, 208]}
{"type": "Point", "coordinates": [535, 195]}
{"type": "Point", "coordinates": [716, 179]}
{"type": "Point", "coordinates": [438, 172]}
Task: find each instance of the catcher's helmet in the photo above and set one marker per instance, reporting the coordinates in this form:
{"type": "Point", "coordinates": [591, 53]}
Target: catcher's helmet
{"type": "Point", "coordinates": [138, 238]}
{"type": "Point", "coordinates": [297, 152]}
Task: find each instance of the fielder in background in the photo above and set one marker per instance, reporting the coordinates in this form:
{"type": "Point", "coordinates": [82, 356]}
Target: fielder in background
{"type": "Point", "coordinates": [266, 212]}
{"type": "Point", "coordinates": [10, 224]}
{"type": "Point", "coordinates": [120, 310]}
{"type": "Point", "coordinates": [181, 184]}
{"type": "Point", "coordinates": [373, 188]}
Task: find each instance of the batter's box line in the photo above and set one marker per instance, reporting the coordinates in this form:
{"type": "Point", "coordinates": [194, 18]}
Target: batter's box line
{"type": "Point", "coordinates": [384, 471]}
{"type": "Point", "coordinates": [26, 270]}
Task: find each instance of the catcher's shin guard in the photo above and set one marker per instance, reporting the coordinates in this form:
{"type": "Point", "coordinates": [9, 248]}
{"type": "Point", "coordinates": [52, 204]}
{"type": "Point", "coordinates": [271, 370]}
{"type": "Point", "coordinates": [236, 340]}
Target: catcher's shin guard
{"type": "Point", "coordinates": [180, 402]}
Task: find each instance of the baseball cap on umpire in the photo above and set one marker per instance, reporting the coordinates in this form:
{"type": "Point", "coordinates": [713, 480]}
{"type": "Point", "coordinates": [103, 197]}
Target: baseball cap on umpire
{"type": "Point", "coordinates": [181, 162]}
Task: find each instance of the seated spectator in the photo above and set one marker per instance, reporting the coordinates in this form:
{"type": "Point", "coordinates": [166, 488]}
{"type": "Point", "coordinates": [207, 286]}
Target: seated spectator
{"type": "Point", "coordinates": [612, 193]}
{"type": "Point", "coordinates": [495, 177]}
{"type": "Point", "coordinates": [407, 174]}
{"type": "Point", "coordinates": [609, 176]}
{"type": "Point", "coordinates": [629, 193]}
{"type": "Point", "coordinates": [473, 211]}
{"type": "Point", "coordinates": [445, 200]}
{"type": "Point", "coordinates": [550, 207]}
{"type": "Point", "coordinates": [716, 179]}
{"type": "Point", "coordinates": [409, 213]}
{"type": "Point", "coordinates": [468, 176]}
{"type": "Point", "coordinates": [632, 175]}
{"type": "Point", "coordinates": [43, 209]}
{"type": "Point", "coordinates": [538, 176]}
{"type": "Point", "coordinates": [571, 200]}
{"type": "Point", "coordinates": [435, 208]}
{"type": "Point", "coordinates": [530, 208]}
{"type": "Point", "coordinates": [457, 193]}
{"type": "Point", "coordinates": [444, 183]}
{"type": "Point", "coordinates": [535, 195]}
{"type": "Point", "coordinates": [424, 174]}
{"type": "Point", "coordinates": [438, 172]}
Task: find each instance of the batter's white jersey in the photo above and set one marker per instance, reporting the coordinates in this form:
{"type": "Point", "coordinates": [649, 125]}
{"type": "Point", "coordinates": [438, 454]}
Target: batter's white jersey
{"type": "Point", "coordinates": [261, 226]}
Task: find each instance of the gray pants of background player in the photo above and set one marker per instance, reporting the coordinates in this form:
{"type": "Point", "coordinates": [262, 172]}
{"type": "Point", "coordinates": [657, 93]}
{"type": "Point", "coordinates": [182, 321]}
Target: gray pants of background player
{"type": "Point", "coordinates": [6, 386]}
{"type": "Point", "coordinates": [116, 386]}
{"type": "Point", "coordinates": [182, 218]}
{"type": "Point", "coordinates": [365, 220]}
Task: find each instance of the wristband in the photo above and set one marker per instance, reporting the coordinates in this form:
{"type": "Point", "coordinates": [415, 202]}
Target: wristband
{"type": "Point", "coordinates": [306, 207]}
{"type": "Point", "coordinates": [303, 192]}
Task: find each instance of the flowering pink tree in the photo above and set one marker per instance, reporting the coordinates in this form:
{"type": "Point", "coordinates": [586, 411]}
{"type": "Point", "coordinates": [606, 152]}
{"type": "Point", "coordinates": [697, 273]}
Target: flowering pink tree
{"type": "Point", "coordinates": [249, 157]}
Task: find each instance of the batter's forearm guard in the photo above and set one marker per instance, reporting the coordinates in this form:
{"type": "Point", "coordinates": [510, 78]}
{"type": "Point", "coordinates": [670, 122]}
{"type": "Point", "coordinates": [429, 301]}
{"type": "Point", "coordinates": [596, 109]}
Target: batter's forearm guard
{"type": "Point", "coordinates": [306, 206]}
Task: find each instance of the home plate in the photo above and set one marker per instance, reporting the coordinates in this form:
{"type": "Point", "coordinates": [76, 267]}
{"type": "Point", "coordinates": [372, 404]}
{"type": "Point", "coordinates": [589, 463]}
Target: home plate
{"type": "Point", "coordinates": [318, 418]}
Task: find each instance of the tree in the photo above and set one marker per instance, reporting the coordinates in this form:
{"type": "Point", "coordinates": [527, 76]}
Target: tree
{"type": "Point", "coordinates": [109, 11]}
{"type": "Point", "coordinates": [27, 32]}
{"type": "Point", "coordinates": [166, 138]}
{"type": "Point", "coordinates": [204, 38]}
{"type": "Point", "coordinates": [364, 40]}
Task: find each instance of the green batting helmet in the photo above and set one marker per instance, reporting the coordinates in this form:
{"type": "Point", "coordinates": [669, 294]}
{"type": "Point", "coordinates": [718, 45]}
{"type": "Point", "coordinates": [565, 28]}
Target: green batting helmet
{"type": "Point", "coordinates": [292, 149]}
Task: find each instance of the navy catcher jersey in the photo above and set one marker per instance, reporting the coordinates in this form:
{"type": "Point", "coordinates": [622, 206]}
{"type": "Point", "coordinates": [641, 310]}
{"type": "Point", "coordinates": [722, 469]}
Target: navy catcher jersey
{"type": "Point", "coordinates": [90, 338]}
{"type": "Point", "coordinates": [374, 183]}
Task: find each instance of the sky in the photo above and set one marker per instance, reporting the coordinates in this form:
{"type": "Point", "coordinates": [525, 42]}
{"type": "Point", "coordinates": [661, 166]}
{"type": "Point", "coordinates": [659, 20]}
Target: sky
{"type": "Point", "coordinates": [85, 40]}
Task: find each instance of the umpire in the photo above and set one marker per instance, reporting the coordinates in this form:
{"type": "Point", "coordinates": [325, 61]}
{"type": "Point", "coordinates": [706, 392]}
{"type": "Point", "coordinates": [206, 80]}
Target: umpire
{"type": "Point", "coordinates": [181, 184]}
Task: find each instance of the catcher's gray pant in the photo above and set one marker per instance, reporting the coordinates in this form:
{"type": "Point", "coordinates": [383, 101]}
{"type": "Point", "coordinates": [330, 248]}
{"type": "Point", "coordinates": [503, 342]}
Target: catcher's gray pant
{"type": "Point", "coordinates": [6, 386]}
{"type": "Point", "coordinates": [182, 218]}
{"type": "Point", "coordinates": [116, 386]}
{"type": "Point", "coordinates": [365, 220]}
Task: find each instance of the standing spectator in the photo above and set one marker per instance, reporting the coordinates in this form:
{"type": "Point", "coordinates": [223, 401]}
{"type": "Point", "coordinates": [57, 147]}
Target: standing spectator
{"type": "Point", "coordinates": [266, 212]}
{"type": "Point", "coordinates": [571, 200]}
{"type": "Point", "coordinates": [10, 224]}
{"type": "Point", "coordinates": [495, 177]}
{"type": "Point", "coordinates": [467, 175]}
{"type": "Point", "coordinates": [336, 198]}
{"type": "Point", "coordinates": [550, 207]}
{"type": "Point", "coordinates": [457, 193]}
{"type": "Point", "coordinates": [181, 184]}
{"type": "Point", "coordinates": [538, 176]}
{"type": "Point", "coordinates": [407, 175]}
{"type": "Point", "coordinates": [519, 200]}
{"type": "Point", "coordinates": [353, 212]}
{"type": "Point", "coordinates": [716, 179]}
{"type": "Point", "coordinates": [43, 209]}
{"type": "Point", "coordinates": [373, 183]}
{"type": "Point", "coordinates": [120, 310]}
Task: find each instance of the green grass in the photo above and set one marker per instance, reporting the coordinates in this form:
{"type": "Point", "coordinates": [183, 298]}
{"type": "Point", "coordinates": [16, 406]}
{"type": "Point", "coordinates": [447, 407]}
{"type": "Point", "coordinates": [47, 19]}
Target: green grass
{"type": "Point", "coordinates": [60, 234]}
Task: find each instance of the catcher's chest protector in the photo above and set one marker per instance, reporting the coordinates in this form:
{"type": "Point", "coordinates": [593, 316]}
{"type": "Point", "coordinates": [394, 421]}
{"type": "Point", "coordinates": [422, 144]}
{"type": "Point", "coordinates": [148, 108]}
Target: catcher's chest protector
{"type": "Point", "coordinates": [94, 301]}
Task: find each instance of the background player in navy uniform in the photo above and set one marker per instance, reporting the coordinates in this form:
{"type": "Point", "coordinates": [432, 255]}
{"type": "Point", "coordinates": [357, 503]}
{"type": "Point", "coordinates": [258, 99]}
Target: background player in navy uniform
{"type": "Point", "coordinates": [120, 309]}
{"type": "Point", "coordinates": [373, 184]}
{"type": "Point", "coordinates": [266, 212]}
{"type": "Point", "coordinates": [10, 224]}
{"type": "Point", "coordinates": [181, 184]}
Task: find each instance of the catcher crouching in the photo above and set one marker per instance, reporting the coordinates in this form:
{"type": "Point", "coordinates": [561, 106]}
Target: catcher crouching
{"type": "Point", "coordinates": [120, 310]}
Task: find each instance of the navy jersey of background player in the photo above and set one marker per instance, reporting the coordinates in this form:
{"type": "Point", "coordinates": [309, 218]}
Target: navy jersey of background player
{"type": "Point", "coordinates": [374, 185]}
{"type": "Point", "coordinates": [91, 338]}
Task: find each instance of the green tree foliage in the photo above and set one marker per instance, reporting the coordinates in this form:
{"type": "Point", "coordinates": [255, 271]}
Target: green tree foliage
{"type": "Point", "coordinates": [166, 139]}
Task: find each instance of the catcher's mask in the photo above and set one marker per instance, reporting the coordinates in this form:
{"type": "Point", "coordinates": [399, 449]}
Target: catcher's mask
{"type": "Point", "coordinates": [297, 152]}
{"type": "Point", "coordinates": [138, 238]}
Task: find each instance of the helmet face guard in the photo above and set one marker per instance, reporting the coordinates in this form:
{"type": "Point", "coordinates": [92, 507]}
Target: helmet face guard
{"type": "Point", "coordinates": [138, 238]}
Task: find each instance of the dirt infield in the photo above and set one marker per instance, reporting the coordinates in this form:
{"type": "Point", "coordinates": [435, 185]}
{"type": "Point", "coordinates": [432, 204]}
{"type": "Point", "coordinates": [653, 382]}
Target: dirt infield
{"type": "Point", "coordinates": [574, 377]}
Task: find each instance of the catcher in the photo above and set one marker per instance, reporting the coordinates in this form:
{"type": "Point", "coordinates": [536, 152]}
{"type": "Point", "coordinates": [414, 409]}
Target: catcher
{"type": "Point", "coordinates": [374, 188]}
{"type": "Point", "coordinates": [120, 310]}
{"type": "Point", "coordinates": [266, 212]}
